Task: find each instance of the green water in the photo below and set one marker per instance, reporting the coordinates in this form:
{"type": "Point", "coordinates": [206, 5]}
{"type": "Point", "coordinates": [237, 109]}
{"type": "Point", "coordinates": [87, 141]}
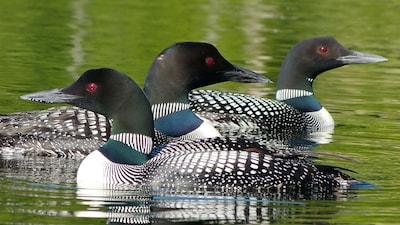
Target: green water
{"type": "Point", "coordinates": [48, 44]}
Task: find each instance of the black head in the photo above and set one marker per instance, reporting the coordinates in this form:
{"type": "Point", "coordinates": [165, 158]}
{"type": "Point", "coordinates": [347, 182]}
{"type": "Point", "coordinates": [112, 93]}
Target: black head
{"type": "Point", "coordinates": [311, 57]}
{"type": "Point", "coordinates": [101, 90]}
{"type": "Point", "coordinates": [108, 92]}
{"type": "Point", "coordinates": [185, 66]}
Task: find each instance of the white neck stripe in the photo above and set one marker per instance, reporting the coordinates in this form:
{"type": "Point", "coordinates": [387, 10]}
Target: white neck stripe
{"type": "Point", "coordinates": [163, 109]}
{"type": "Point", "coordinates": [285, 94]}
{"type": "Point", "coordinates": [139, 142]}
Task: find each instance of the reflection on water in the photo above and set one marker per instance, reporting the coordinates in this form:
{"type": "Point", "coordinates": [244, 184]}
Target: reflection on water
{"type": "Point", "coordinates": [49, 184]}
{"type": "Point", "coordinates": [39, 169]}
{"type": "Point", "coordinates": [146, 207]}
{"type": "Point", "coordinates": [79, 32]}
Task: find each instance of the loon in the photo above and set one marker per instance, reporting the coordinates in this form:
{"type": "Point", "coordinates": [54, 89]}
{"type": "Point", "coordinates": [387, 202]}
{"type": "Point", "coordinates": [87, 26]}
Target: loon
{"type": "Point", "coordinates": [222, 162]}
{"type": "Point", "coordinates": [178, 69]}
{"type": "Point", "coordinates": [296, 114]}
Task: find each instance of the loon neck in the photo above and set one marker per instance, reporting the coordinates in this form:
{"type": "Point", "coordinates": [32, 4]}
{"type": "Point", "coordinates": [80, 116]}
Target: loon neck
{"type": "Point", "coordinates": [132, 132]}
{"type": "Point", "coordinates": [175, 119]}
{"type": "Point", "coordinates": [160, 88]}
{"type": "Point", "coordinates": [161, 95]}
{"type": "Point", "coordinates": [296, 73]}
{"type": "Point", "coordinates": [295, 85]}
{"type": "Point", "coordinates": [287, 94]}
{"type": "Point", "coordinates": [132, 115]}
{"type": "Point", "coordinates": [127, 148]}
{"type": "Point", "coordinates": [164, 109]}
{"type": "Point", "coordinates": [302, 100]}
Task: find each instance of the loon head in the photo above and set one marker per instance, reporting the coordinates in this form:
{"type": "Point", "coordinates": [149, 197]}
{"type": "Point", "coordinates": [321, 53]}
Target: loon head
{"type": "Point", "coordinates": [311, 57]}
{"type": "Point", "coordinates": [185, 66]}
{"type": "Point", "coordinates": [108, 92]}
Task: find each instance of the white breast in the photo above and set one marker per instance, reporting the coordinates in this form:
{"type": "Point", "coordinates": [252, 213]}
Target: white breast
{"type": "Point", "coordinates": [91, 172]}
{"type": "Point", "coordinates": [205, 130]}
{"type": "Point", "coordinates": [321, 126]}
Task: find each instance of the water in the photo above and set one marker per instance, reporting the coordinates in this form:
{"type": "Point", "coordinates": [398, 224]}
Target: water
{"type": "Point", "coordinates": [48, 44]}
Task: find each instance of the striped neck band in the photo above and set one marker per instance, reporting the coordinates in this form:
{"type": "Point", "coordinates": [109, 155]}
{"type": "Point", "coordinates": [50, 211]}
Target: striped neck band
{"type": "Point", "coordinates": [163, 109]}
{"type": "Point", "coordinates": [139, 142]}
{"type": "Point", "coordinates": [285, 94]}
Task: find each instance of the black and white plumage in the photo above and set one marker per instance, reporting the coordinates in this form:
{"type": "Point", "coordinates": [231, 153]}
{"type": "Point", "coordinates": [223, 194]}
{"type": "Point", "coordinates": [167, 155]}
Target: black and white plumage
{"type": "Point", "coordinates": [61, 131]}
{"type": "Point", "coordinates": [227, 163]}
{"type": "Point", "coordinates": [238, 114]}
{"type": "Point", "coordinates": [239, 163]}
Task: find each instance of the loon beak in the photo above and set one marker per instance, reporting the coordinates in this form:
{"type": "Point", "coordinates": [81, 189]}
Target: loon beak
{"type": "Point", "coordinates": [240, 74]}
{"type": "Point", "coordinates": [360, 57]}
{"type": "Point", "coordinates": [51, 96]}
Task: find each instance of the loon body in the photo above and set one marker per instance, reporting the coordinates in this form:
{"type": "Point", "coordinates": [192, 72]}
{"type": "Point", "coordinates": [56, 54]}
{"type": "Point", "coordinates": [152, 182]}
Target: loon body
{"type": "Point", "coordinates": [60, 131]}
{"type": "Point", "coordinates": [214, 162]}
{"type": "Point", "coordinates": [69, 131]}
{"type": "Point", "coordinates": [296, 113]}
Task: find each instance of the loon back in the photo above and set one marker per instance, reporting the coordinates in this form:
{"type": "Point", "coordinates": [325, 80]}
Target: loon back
{"type": "Point", "coordinates": [223, 164]}
{"type": "Point", "coordinates": [238, 114]}
{"type": "Point", "coordinates": [59, 131]}
{"type": "Point", "coordinates": [266, 120]}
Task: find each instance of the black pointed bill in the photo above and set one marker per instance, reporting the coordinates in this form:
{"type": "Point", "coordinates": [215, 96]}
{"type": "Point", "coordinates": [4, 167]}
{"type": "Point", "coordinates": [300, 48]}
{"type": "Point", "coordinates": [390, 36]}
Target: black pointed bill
{"type": "Point", "coordinates": [360, 57]}
{"type": "Point", "coordinates": [243, 75]}
{"type": "Point", "coordinates": [51, 96]}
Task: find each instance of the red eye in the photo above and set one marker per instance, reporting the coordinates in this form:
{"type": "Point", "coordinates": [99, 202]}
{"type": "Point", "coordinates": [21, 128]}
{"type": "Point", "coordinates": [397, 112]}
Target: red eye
{"type": "Point", "coordinates": [91, 87]}
{"type": "Point", "coordinates": [210, 61]}
{"type": "Point", "coordinates": [322, 50]}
